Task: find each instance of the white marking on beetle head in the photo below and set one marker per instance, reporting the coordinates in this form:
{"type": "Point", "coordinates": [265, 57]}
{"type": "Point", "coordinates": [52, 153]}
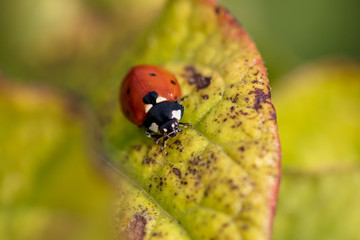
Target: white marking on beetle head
{"type": "Point", "coordinates": [148, 107]}
{"type": "Point", "coordinates": [154, 127]}
{"type": "Point", "coordinates": [160, 99]}
{"type": "Point", "coordinates": [164, 130]}
{"type": "Point", "coordinates": [176, 114]}
{"type": "Point", "coordinates": [173, 125]}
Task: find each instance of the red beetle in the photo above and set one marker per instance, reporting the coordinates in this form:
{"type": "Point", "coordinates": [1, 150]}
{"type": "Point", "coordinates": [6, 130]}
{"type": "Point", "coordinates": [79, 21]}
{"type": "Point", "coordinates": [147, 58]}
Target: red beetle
{"type": "Point", "coordinates": [150, 96]}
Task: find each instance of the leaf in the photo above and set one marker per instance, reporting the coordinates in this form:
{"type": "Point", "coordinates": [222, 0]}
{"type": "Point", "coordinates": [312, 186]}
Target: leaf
{"type": "Point", "coordinates": [48, 187]}
{"type": "Point", "coordinates": [219, 178]}
{"type": "Point", "coordinates": [319, 115]}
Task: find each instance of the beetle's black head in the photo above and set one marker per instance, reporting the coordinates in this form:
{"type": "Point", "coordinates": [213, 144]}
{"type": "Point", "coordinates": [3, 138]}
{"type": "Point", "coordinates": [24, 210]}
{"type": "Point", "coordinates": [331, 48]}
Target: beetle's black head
{"type": "Point", "coordinates": [170, 128]}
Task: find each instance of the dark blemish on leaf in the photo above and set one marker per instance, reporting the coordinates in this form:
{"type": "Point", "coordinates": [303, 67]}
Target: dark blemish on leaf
{"type": "Point", "coordinates": [246, 99]}
{"type": "Point", "coordinates": [148, 160]}
{"type": "Point", "coordinates": [184, 182]}
{"type": "Point", "coordinates": [225, 119]}
{"type": "Point", "coordinates": [194, 77]}
{"type": "Point", "coordinates": [195, 161]}
{"type": "Point", "coordinates": [206, 192]}
{"type": "Point", "coordinates": [273, 116]}
{"type": "Point", "coordinates": [128, 112]}
{"type": "Point", "coordinates": [152, 74]}
{"type": "Point", "coordinates": [257, 72]}
{"type": "Point", "coordinates": [260, 97]}
{"type": "Point", "coordinates": [235, 98]}
{"type": "Point", "coordinates": [225, 225]}
{"type": "Point", "coordinates": [136, 228]}
{"type": "Point", "coordinates": [243, 113]}
{"type": "Point", "coordinates": [177, 172]}
{"type": "Point", "coordinates": [241, 148]}
{"type": "Point", "coordinates": [159, 234]}
{"type": "Point", "coordinates": [217, 10]}
{"type": "Point", "coordinates": [205, 97]}
{"type": "Point", "coordinates": [128, 91]}
{"type": "Point", "coordinates": [173, 82]}
{"type": "Point", "coordinates": [232, 109]}
{"type": "Point", "coordinates": [192, 171]}
{"type": "Point", "coordinates": [150, 186]}
{"type": "Point", "coordinates": [138, 148]}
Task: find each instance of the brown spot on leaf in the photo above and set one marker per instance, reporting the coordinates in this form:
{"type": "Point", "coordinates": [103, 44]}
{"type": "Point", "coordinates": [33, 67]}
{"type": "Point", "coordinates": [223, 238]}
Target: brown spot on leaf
{"type": "Point", "coordinates": [260, 97]}
{"type": "Point", "coordinates": [136, 228]}
{"type": "Point", "coordinates": [205, 97]}
{"type": "Point", "coordinates": [273, 116]}
{"type": "Point", "coordinates": [138, 148]}
{"type": "Point", "coordinates": [194, 77]}
{"type": "Point", "coordinates": [235, 98]}
{"type": "Point", "coordinates": [148, 160]}
{"type": "Point", "coordinates": [243, 113]}
{"type": "Point", "coordinates": [217, 10]}
{"type": "Point", "coordinates": [177, 172]}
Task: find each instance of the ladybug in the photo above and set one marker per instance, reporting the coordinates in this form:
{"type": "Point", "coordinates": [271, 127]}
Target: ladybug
{"type": "Point", "coordinates": [150, 96]}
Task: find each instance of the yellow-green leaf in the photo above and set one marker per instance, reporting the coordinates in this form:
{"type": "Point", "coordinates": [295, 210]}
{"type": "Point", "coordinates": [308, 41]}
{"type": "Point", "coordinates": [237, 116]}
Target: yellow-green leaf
{"type": "Point", "coordinates": [319, 116]}
{"type": "Point", "coordinates": [50, 187]}
{"type": "Point", "coordinates": [217, 179]}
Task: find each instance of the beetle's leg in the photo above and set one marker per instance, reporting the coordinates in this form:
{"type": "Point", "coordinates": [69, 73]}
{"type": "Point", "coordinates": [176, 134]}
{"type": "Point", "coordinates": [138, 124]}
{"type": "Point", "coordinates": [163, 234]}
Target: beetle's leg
{"type": "Point", "coordinates": [148, 133]}
{"type": "Point", "coordinates": [184, 124]}
{"type": "Point", "coordinates": [158, 139]}
{"type": "Point", "coordinates": [151, 134]}
{"type": "Point", "coordinates": [182, 99]}
{"type": "Point", "coordinates": [163, 145]}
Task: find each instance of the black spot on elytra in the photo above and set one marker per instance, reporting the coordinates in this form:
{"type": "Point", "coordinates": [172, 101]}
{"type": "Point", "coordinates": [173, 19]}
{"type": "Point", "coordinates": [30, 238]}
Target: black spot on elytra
{"type": "Point", "coordinates": [150, 98]}
{"type": "Point", "coordinates": [260, 97]}
{"type": "Point", "coordinates": [128, 91]}
{"type": "Point", "coordinates": [152, 74]}
{"type": "Point", "coordinates": [128, 112]}
{"type": "Point", "coordinates": [173, 82]}
{"type": "Point", "coordinates": [194, 77]}
{"type": "Point", "coordinates": [136, 228]}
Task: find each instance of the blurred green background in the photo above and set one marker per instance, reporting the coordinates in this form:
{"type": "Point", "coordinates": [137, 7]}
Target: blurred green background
{"type": "Point", "coordinates": [75, 47]}
{"type": "Point", "coordinates": [70, 36]}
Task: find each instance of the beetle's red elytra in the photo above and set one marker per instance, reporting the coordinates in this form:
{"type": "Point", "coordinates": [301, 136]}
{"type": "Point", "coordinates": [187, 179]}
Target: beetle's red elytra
{"type": "Point", "coordinates": [150, 96]}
